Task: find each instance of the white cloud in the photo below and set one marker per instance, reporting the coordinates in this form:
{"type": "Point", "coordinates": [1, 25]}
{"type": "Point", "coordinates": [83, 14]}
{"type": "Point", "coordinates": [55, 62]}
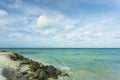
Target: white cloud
{"type": "Point", "coordinates": [54, 25]}
{"type": "Point", "coordinates": [69, 27]}
{"type": "Point", "coordinates": [116, 36]}
{"type": "Point", "coordinates": [3, 12]}
{"type": "Point", "coordinates": [45, 21]}
{"type": "Point", "coordinates": [60, 29]}
{"type": "Point", "coordinates": [96, 35]}
{"type": "Point", "coordinates": [93, 27]}
{"type": "Point", "coordinates": [48, 32]}
{"type": "Point", "coordinates": [89, 33]}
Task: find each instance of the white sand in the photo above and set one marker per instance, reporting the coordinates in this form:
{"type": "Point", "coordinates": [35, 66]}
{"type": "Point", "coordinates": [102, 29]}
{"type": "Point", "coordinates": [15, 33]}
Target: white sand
{"type": "Point", "coordinates": [6, 61]}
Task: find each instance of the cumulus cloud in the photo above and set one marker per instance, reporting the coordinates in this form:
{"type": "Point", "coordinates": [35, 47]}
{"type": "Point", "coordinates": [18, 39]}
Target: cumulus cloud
{"type": "Point", "coordinates": [54, 25]}
{"type": "Point", "coordinates": [3, 12]}
{"type": "Point", "coordinates": [45, 21]}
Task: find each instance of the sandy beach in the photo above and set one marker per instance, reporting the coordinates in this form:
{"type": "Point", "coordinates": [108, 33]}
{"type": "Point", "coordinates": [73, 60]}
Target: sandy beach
{"type": "Point", "coordinates": [6, 61]}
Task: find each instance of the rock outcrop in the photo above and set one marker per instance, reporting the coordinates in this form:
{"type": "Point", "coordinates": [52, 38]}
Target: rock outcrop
{"type": "Point", "coordinates": [30, 70]}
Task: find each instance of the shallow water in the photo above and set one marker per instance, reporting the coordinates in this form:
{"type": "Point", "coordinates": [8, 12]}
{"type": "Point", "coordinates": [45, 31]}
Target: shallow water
{"type": "Point", "coordinates": [81, 64]}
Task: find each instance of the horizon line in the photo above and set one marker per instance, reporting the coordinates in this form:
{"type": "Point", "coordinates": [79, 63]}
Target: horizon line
{"type": "Point", "coordinates": [58, 47]}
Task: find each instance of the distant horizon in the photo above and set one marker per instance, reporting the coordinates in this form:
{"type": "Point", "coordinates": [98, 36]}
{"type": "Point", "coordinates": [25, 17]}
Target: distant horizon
{"type": "Point", "coordinates": [59, 48]}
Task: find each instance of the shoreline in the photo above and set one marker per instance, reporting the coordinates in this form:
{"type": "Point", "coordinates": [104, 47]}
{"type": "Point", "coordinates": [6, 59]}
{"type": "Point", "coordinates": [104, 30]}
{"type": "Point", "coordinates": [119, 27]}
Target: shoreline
{"type": "Point", "coordinates": [27, 69]}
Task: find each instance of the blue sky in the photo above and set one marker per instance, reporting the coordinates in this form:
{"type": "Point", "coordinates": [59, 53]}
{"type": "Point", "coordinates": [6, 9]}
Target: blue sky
{"type": "Point", "coordinates": [60, 23]}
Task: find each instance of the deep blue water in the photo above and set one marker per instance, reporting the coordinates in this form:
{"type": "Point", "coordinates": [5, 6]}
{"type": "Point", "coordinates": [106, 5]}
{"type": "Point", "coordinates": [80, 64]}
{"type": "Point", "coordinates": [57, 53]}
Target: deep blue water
{"type": "Point", "coordinates": [80, 63]}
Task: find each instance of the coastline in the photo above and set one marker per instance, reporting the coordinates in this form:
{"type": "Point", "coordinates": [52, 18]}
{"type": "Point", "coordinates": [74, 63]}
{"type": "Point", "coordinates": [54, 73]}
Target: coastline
{"type": "Point", "coordinates": [20, 68]}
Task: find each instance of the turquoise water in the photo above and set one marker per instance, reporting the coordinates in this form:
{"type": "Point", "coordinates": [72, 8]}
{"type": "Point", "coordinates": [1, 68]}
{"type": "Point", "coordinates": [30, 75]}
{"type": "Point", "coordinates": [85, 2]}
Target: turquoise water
{"type": "Point", "coordinates": [81, 64]}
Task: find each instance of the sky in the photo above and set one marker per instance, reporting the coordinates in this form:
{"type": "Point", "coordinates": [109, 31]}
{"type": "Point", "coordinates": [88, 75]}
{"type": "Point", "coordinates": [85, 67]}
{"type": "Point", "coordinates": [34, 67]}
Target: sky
{"type": "Point", "coordinates": [60, 23]}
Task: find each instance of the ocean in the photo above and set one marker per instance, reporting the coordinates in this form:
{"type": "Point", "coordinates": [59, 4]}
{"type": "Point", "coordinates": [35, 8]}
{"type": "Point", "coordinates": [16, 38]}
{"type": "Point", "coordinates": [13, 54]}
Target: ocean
{"type": "Point", "coordinates": [80, 63]}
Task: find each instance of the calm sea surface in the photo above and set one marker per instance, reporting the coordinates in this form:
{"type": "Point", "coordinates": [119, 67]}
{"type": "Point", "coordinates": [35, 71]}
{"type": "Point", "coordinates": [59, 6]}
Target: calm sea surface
{"type": "Point", "coordinates": [81, 64]}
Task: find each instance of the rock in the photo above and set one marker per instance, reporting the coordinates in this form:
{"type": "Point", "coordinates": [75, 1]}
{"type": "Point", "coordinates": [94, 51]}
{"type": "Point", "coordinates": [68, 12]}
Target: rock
{"type": "Point", "coordinates": [35, 75]}
{"type": "Point", "coordinates": [53, 76]}
{"type": "Point", "coordinates": [51, 79]}
{"type": "Point", "coordinates": [65, 74]}
{"type": "Point", "coordinates": [35, 71]}
{"type": "Point", "coordinates": [57, 72]}
{"type": "Point", "coordinates": [41, 65]}
{"type": "Point", "coordinates": [16, 56]}
{"type": "Point", "coordinates": [27, 76]}
{"type": "Point", "coordinates": [3, 51]}
{"type": "Point", "coordinates": [12, 74]}
{"type": "Point", "coordinates": [43, 76]}
{"type": "Point", "coordinates": [24, 73]}
{"type": "Point", "coordinates": [50, 70]}
{"type": "Point", "coordinates": [13, 57]}
{"type": "Point", "coordinates": [39, 70]}
{"type": "Point", "coordinates": [34, 67]}
{"type": "Point", "coordinates": [25, 63]}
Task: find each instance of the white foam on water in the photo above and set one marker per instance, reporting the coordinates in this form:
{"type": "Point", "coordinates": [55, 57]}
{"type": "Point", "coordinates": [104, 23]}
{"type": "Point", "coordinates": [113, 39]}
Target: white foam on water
{"type": "Point", "coordinates": [65, 68]}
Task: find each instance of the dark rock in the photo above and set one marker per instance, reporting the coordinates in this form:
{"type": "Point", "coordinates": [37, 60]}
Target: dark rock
{"type": "Point", "coordinates": [24, 73]}
{"type": "Point", "coordinates": [25, 63]}
{"type": "Point", "coordinates": [36, 71]}
{"type": "Point", "coordinates": [3, 51]}
{"type": "Point", "coordinates": [65, 74]}
{"type": "Point", "coordinates": [13, 57]}
{"type": "Point", "coordinates": [34, 67]}
{"type": "Point", "coordinates": [50, 70]}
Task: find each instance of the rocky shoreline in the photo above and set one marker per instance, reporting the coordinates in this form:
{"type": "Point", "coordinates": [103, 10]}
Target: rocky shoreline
{"type": "Point", "coordinates": [28, 69]}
